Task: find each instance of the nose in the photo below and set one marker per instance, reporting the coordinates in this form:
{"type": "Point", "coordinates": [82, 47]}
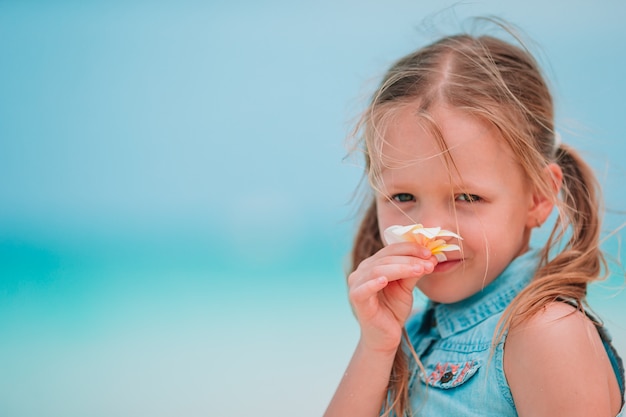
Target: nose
{"type": "Point", "coordinates": [433, 214]}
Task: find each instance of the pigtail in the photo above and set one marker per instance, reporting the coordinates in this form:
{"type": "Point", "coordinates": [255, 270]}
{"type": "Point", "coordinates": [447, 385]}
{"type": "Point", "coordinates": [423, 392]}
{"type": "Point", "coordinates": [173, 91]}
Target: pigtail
{"type": "Point", "coordinates": [581, 211]}
{"type": "Point", "coordinates": [566, 267]}
{"type": "Point", "coordinates": [580, 259]}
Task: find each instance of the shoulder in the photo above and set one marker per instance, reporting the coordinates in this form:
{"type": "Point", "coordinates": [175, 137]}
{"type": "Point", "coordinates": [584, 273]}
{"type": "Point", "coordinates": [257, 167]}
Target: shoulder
{"type": "Point", "coordinates": [556, 364]}
{"type": "Point", "coordinates": [556, 326]}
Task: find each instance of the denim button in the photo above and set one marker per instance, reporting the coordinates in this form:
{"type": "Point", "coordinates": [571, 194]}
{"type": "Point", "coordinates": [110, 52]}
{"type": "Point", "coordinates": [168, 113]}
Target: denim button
{"type": "Point", "coordinates": [447, 377]}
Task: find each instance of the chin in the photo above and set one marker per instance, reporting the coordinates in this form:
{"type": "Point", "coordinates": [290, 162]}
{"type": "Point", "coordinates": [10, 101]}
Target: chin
{"type": "Point", "coordinates": [439, 289]}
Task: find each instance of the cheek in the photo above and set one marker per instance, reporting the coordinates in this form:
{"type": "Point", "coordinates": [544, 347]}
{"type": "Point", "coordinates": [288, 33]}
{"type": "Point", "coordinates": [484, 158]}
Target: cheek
{"type": "Point", "coordinates": [388, 215]}
{"type": "Point", "coordinates": [475, 240]}
{"type": "Point", "coordinates": [481, 235]}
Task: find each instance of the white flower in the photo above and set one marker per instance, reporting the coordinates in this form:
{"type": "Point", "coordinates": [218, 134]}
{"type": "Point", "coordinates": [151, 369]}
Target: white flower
{"type": "Point", "coordinates": [433, 238]}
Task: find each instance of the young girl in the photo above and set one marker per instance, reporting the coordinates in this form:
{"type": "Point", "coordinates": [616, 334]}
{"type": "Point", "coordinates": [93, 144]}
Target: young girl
{"type": "Point", "coordinates": [460, 136]}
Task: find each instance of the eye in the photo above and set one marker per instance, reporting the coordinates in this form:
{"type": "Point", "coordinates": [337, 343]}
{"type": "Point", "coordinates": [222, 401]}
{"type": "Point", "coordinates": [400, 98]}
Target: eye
{"type": "Point", "coordinates": [469, 198]}
{"type": "Point", "coordinates": [403, 198]}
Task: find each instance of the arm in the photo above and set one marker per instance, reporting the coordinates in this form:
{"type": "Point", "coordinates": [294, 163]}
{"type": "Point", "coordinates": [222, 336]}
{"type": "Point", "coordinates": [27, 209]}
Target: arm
{"type": "Point", "coordinates": [381, 294]}
{"type": "Point", "coordinates": [555, 364]}
{"type": "Point", "coordinates": [363, 387]}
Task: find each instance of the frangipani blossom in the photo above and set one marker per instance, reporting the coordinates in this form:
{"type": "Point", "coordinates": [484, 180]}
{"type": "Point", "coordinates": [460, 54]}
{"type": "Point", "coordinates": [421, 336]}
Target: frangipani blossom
{"type": "Point", "coordinates": [433, 238]}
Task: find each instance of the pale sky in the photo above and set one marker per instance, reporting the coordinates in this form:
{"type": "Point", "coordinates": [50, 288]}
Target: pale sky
{"type": "Point", "coordinates": [172, 114]}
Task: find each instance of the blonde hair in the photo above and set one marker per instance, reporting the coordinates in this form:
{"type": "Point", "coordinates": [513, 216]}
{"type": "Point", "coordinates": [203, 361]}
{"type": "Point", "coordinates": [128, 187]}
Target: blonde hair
{"type": "Point", "coordinates": [502, 84]}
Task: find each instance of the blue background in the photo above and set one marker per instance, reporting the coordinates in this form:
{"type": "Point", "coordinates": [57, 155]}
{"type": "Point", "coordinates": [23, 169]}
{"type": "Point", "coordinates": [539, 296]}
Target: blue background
{"type": "Point", "coordinates": [175, 206]}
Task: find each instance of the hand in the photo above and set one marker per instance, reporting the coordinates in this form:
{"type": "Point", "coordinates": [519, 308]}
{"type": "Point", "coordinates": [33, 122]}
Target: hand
{"type": "Point", "coordinates": [381, 292]}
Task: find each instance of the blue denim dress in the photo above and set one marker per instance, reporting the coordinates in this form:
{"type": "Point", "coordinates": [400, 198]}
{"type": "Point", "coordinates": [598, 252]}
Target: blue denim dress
{"type": "Point", "coordinates": [463, 375]}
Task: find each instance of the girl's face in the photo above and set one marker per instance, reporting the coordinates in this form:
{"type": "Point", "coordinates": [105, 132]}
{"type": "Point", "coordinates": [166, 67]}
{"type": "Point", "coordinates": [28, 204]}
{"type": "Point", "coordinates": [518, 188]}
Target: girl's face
{"type": "Point", "coordinates": [482, 195]}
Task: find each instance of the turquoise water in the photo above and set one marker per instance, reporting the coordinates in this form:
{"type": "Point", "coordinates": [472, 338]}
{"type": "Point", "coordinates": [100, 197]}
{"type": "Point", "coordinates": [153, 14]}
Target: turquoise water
{"type": "Point", "coordinates": [173, 328]}
{"type": "Point", "coordinates": [144, 329]}
{"type": "Point", "coordinates": [174, 203]}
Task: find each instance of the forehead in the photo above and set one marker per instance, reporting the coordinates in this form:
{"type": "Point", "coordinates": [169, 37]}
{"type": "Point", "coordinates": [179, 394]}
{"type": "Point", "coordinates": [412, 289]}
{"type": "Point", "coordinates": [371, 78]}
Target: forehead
{"type": "Point", "coordinates": [444, 133]}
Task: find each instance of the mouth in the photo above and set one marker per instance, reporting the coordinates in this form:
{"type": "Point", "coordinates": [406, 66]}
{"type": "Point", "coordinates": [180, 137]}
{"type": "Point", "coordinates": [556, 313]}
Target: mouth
{"type": "Point", "coordinates": [447, 265]}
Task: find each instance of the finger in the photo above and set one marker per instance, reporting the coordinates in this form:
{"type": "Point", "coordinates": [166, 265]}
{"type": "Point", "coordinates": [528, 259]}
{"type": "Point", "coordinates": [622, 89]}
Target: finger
{"type": "Point", "coordinates": [408, 284]}
{"type": "Point", "coordinates": [392, 271]}
{"type": "Point", "coordinates": [404, 249]}
{"type": "Point", "coordinates": [399, 259]}
{"type": "Point", "coordinates": [366, 291]}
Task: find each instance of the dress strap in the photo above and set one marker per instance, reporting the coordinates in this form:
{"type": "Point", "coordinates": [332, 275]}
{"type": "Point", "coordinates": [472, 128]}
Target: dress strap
{"type": "Point", "coordinates": [616, 360]}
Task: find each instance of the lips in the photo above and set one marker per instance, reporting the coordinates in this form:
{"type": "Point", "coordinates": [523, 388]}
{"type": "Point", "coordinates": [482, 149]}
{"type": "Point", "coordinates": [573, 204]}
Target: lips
{"type": "Point", "coordinates": [433, 238]}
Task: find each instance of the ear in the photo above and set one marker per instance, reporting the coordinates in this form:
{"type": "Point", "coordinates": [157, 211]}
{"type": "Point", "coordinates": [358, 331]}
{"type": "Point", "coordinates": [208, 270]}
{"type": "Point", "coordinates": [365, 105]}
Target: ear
{"type": "Point", "coordinates": [542, 204]}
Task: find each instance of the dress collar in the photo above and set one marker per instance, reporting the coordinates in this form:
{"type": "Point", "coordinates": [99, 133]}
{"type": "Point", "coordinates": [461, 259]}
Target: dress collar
{"type": "Point", "coordinates": [494, 298]}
